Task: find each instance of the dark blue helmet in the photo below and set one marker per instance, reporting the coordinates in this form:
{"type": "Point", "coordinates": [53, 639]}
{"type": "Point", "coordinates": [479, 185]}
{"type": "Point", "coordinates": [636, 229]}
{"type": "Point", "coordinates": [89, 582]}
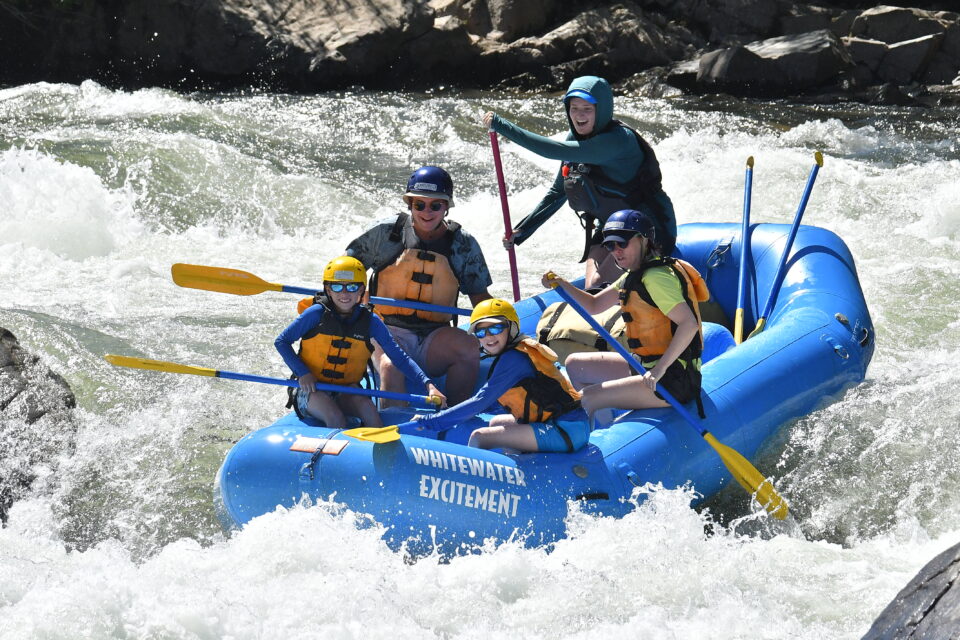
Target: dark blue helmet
{"type": "Point", "coordinates": [626, 223]}
{"type": "Point", "coordinates": [430, 182]}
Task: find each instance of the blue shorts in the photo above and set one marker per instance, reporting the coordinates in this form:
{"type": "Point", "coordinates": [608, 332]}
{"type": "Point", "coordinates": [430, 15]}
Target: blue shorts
{"type": "Point", "coordinates": [550, 438]}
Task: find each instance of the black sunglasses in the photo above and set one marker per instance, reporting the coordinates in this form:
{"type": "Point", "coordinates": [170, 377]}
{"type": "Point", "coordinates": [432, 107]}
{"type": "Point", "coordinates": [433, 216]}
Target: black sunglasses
{"type": "Point", "coordinates": [436, 205]}
{"type": "Point", "coordinates": [337, 287]}
{"type": "Point", "coordinates": [494, 330]}
{"type": "Point", "coordinates": [610, 245]}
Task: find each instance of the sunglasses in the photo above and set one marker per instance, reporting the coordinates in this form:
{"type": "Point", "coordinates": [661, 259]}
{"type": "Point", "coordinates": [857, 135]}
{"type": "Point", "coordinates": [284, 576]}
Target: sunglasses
{"type": "Point", "coordinates": [436, 205]}
{"type": "Point", "coordinates": [494, 330]}
{"type": "Point", "coordinates": [610, 245]}
{"type": "Point", "coordinates": [337, 287]}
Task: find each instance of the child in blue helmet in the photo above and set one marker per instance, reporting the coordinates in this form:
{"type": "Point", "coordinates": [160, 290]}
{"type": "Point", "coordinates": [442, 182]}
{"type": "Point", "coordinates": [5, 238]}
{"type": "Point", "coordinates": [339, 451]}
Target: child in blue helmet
{"type": "Point", "coordinates": [606, 166]}
{"type": "Point", "coordinates": [660, 298]}
{"type": "Point", "coordinates": [422, 256]}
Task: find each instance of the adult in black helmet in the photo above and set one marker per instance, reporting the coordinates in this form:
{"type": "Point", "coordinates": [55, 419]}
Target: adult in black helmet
{"type": "Point", "coordinates": [605, 166]}
{"type": "Point", "coordinates": [422, 255]}
{"type": "Point", "coordinates": [660, 299]}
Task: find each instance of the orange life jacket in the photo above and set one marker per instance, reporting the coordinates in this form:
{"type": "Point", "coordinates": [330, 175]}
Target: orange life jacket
{"type": "Point", "coordinates": [335, 351]}
{"type": "Point", "coordinates": [418, 275]}
{"type": "Point", "coordinates": [544, 394]}
{"type": "Point", "coordinates": [649, 331]}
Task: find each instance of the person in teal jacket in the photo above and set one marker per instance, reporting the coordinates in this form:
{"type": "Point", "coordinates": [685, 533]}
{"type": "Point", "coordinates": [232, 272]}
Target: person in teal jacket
{"type": "Point", "coordinates": [605, 166]}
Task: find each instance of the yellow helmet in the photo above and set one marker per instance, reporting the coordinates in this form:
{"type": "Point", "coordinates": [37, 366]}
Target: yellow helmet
{"type": "Point", "coordinates": [345, 269]}
{"type": "Point", "coordinates": [496, 308]}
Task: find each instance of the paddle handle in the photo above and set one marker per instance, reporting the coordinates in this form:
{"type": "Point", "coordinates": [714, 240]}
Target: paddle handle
{"type": "Point", "coordinates": [631, 360]}
{"type": "Point", "coordinates": [505, 207]}
{"type": "Point", "coordinates": [744, 252]}
{"type": "Point", "coordinates": [781, 268]}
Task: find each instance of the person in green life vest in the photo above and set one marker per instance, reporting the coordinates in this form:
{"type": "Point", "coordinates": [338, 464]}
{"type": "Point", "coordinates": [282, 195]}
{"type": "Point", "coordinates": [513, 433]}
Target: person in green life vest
{"type": "Point", "coordinates": [605, 166]}
{"type": "Point", "coordinates": [337, 336]}
{"type": "Point", "coordinates": [660, 298]}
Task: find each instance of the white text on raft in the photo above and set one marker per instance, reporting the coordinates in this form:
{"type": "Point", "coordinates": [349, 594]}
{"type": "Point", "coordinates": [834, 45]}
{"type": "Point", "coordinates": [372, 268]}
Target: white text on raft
{"type": "Point", "coordinates": [465, 494]}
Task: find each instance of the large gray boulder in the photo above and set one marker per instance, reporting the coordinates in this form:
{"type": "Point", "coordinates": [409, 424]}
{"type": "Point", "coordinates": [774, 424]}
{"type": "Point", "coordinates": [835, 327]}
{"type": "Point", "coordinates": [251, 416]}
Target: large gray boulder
{"type": "Point", "coordinates": [928, 608]}
{"type": "Point", "coordinates": [36, 424]}
{"type": "Point", "coordinates": [783, 66]}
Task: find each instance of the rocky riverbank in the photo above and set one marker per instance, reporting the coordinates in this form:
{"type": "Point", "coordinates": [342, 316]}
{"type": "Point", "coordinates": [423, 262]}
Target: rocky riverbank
{"type": "Point", "coordinates": [752, 48]}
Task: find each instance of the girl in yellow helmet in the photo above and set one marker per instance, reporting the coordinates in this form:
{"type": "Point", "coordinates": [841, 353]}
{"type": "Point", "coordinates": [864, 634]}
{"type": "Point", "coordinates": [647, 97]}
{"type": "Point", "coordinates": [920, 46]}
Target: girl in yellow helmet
{"type": "Point", "coordinates": [544, 409]}
{"type": "Point", "coordinates": [336, 339]}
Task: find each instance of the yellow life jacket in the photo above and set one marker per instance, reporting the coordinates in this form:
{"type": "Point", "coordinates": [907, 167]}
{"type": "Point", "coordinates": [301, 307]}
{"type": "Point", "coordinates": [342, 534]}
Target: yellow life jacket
{"type": "Point", "coordinates": [419, 275]}
{"type": "Point", "coordinates": [544, 394]}
{"type": "Point", "coordinates": [649, 330]}
{"type": "Point", "coordinates": [335, 351]}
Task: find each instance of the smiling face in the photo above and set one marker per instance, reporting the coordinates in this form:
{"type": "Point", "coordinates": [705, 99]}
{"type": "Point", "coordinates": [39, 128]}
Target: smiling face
{"type": "Point", "coordinates": [428, 214]}
{"type": "Point", "coordinates": [492, 344]}
{"type": "Point", "coordinates": [343, 301]}
{"type": "Point", "coordinates": [583, 115]}
{"type": "Point", "coordinates": [630, 256]}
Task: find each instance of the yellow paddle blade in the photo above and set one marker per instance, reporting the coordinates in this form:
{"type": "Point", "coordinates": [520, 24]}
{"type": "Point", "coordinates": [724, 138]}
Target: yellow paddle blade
{"type": "Point", "coordinates": [750, 479]}
{"type": "Point", "coordinates": [158, 365]}
{"type": "Point", "coordinates": [759, 328]}
{"type": "Point", "coordinates": [738, 326]}
{"type": "Point", "coordinates": [378, 435]}
{"type": "Point", "coordinates": [220, 279]}
{"type": "Point", "coordinates": [819, 158]}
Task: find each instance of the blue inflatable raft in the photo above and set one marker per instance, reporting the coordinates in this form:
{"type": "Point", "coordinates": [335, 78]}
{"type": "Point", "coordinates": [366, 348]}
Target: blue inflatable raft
{"type": "Point", "coordinates": [438, 494]}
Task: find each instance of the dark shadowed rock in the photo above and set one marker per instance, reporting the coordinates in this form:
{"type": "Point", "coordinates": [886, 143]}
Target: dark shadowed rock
{"type": "Point", "coordinates": [516, 18]}
{"type": "Point", "coordinates": [906, 61]}
{"type": "Point", "coordinates": [782, 66]}
{"type": "Point", "coordinates": [895, 24]}
{"type": "Point", "coordinates": [35, 419]}
{"type": "Point", "coordinates": [928, 608]}
{"type": "Point", "coordinates": [614, 42]}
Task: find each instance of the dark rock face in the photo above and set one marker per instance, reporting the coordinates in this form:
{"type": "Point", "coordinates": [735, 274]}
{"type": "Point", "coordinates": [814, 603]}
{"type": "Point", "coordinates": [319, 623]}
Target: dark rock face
{"type": "Point", "coordinates": [928, 608]}
{"type": "Point", "coordinates": [35, 419]}
{"type": "Point", "coordinates": [317, 45]}
{"type": "Point", "coordinates": [781, 66]}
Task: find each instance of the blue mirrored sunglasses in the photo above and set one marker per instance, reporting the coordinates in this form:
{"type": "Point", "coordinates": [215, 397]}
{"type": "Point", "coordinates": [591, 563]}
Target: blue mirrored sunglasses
{"type": "Point", "coordinates": [494, 330]}
{"type": "Point", "coordinates": [337, 287]}
{"type": "Point", "coordinates": [436, 205]}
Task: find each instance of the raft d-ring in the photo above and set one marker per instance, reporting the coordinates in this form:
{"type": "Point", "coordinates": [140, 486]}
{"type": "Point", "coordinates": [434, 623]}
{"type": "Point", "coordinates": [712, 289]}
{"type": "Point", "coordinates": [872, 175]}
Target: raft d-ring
{"type": "Point", "coordinates": [715, 259]}
{"type": "Point", "coordinates": [864, 337]}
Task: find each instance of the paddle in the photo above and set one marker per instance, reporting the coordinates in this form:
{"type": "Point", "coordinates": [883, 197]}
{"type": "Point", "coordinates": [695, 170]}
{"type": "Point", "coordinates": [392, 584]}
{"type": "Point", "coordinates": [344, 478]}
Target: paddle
{"type": "Point", "coordinates": [378, 435]}
{"type": "Point", "coordinates": [744, 250]}
{"type": "Point", "coordinates": [781, 269]}
{"type": "Point", "coordinates": [173, 367]}
{"type": "Point", "coordinates": [740, 468]}
{"type": "Point", "coordinates": [507, 226]}
{"type": "Point", "coordinates": [243, 283]}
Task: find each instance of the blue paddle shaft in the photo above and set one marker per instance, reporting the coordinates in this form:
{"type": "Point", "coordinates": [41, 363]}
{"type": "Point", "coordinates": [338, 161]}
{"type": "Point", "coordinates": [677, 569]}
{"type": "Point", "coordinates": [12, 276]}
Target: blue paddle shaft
{"type": "Point", "coordinates": [410, 304]}
{"type": "Point", "coordinates": [781, 269]}
{"type": "Point", "coordinates": [358, 391]}
{"type": "Point", "coordinates": [632, 361]}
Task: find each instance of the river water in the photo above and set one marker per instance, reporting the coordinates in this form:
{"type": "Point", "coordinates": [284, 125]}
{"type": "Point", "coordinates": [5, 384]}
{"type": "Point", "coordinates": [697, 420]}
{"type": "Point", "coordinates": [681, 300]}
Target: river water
{"type": "Point", "coordinates": [101, 191]}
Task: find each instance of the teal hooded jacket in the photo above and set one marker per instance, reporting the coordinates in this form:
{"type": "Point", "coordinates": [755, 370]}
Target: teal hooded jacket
{"type": "Point", "coordinates": [615, 150]}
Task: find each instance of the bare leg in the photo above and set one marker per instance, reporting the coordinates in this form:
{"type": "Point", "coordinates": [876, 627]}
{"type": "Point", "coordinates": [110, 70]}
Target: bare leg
{"type": "Point", "coordinates": [361, 407]}
{"type": "Point", "coordinates": [322, 407]}
{"type": "Point", "coordinates": [455, 353]}
{"type": "Point", "coordinates": [590, 368]}
{"type": "Point", "coordinates": [504, 431]}
{"type": "Point", "coordinates": [391, 378]}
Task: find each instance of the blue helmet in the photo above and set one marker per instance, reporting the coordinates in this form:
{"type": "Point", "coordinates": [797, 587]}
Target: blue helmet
{"type": "Point", "coordinates": [430, 182]}
{"type": "Point", "coordinates": [626, 223]}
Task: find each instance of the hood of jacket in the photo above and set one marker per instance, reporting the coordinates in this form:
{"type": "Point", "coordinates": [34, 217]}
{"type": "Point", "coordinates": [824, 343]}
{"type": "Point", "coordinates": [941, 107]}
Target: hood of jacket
{"type": "Point", "coordinates": [600, 90]}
